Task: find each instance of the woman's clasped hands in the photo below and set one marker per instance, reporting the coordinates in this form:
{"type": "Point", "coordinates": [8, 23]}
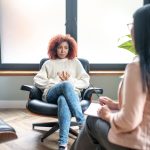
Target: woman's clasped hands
{"type": "Point", "coordinates": [64, 75]}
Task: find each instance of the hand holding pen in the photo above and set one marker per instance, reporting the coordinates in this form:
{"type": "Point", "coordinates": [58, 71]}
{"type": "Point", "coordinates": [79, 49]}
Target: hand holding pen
{"type": "Point", "coordinates": [112, 104]}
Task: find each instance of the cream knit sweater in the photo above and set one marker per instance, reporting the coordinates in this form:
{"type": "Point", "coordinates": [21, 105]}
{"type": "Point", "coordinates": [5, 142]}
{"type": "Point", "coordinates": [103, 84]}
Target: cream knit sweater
{"type": "Point", "coordinates": [47, 76]}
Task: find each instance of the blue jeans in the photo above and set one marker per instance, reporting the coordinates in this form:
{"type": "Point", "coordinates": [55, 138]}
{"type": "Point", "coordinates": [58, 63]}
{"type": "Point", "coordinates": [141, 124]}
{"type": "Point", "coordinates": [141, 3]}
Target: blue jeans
{"type": "Point", "coordinates": [64, 95]}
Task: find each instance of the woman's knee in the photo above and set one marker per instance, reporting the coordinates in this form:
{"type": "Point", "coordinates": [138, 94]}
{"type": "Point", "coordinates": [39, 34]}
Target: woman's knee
{"type": "Point", "coordinates": [98, 127]}
{"type": "Point", "coordinates": [67, 85]}
{"type": "Point", "coordinates": [61, 100]}
{"type": "Point", "coordinates": [90, 121]}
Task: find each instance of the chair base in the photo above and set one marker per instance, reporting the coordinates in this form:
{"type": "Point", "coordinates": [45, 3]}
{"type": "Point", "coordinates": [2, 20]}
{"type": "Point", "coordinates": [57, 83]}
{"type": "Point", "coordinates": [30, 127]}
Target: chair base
{"type": "Point", "coordinates": [54, 126]}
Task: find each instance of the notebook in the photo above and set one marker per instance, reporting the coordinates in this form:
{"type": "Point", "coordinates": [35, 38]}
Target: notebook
{"type": "Point", "coordinates": [92, 109]}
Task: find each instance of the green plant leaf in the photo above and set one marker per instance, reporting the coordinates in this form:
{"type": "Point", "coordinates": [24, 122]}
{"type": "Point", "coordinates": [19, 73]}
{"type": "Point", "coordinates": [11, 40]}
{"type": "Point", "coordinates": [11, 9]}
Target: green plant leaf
{"type": "Point", "coordinates": [128, 44]}
{"type": "Point", "coordinates": [129, 35]}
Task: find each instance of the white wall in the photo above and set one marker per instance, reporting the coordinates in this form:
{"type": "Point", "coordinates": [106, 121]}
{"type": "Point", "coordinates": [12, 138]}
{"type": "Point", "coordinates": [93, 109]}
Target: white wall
{"type": "Point", "coordinates": [11, 96]}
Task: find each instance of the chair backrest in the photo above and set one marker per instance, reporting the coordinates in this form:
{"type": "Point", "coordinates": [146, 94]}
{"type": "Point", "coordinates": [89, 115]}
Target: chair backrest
{"type": "Point", "coordinates": [84, 62]}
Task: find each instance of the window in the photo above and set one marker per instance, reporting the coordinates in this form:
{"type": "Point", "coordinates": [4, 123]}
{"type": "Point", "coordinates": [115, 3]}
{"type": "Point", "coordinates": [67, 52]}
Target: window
{"type": "Point", "coordinates": [27, 26]}
{"type": "Point", "coordinates": [100, 24]}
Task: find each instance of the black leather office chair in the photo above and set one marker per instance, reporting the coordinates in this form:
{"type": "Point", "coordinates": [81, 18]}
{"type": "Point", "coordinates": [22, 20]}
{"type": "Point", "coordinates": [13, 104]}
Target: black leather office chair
{"type": "Point", "coordinates": [37, 106]}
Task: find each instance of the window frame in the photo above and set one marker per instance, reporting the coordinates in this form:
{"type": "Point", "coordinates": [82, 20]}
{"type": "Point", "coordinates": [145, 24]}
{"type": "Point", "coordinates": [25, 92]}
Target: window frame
{"type": "Point", "coordinates": [71, 28]}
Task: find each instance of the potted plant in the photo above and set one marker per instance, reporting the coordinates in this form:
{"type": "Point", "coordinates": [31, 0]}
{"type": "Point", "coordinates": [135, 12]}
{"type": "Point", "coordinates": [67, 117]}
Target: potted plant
{"type": "Point", "coordinates": [125, 42]}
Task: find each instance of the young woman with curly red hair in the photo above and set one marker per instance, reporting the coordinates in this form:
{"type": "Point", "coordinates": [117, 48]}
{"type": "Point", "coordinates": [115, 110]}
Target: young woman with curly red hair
{"type": "Point", "coordinates": [62, 78]}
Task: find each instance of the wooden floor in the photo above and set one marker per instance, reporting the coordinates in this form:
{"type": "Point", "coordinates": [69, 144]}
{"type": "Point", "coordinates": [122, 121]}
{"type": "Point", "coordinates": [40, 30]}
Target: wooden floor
{"type": "Point", "coordinates": [28, 139]}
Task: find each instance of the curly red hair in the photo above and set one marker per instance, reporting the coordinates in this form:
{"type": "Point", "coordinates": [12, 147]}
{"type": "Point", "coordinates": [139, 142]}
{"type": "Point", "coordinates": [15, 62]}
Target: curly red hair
{"type": "Point", "coordinates": [57, 40]}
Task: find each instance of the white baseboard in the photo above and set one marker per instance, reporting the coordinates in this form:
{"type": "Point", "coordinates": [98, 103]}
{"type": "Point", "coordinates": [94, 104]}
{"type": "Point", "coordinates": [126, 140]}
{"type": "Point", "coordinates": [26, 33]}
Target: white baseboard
{"type": "Point", "coordinates": [13, 103]}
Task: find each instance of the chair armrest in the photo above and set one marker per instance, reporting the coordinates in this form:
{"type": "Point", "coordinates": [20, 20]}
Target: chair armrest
{"type": "Point", "coordinates": [27, 87]}
{"type": "Point", "coordinates": [35, 93]}
{"type": "Point", "coordinates": [91, 90]}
